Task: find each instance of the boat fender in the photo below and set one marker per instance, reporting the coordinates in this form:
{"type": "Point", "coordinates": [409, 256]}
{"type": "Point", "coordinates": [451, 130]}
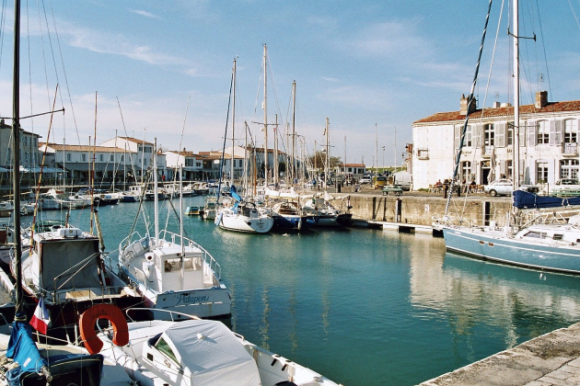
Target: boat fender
{"type": "Point", "coordinates": [113, 314]}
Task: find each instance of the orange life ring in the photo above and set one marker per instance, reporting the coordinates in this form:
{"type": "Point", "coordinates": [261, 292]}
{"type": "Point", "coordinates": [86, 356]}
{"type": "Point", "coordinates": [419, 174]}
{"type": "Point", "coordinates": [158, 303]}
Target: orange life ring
{"type": "Point", "coordinates": [113, 314]}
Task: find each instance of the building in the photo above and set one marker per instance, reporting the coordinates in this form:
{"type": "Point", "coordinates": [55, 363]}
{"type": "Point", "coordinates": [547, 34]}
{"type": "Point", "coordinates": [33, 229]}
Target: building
{"type": "Point", "coordinates": [548, 143]}
{"type": "Point", "coordinates": [140, 153]}
{"type": "Point", "coordinates": [191, 163]}
{"type": "Point", "coordinates": [353, 170]}
{"type": "Point", "coordinates": [30, 157]}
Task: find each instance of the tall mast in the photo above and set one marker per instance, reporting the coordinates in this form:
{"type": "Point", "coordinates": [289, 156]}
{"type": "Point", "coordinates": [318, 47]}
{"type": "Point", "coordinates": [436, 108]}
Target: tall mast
{"type": "Point", "coordinates": [16, 158]}
{"type": "Point", "coordinates": [292, 169]}
{"type": "Point", "coordinates": [276, 150]}
{"type": "Point", "coordinates": [155, 198]}
{"type": "Point", "coordinates": [326, 163]}
{"type": "Point", "coordinates": [516, 130]}
{"type": "Point", "coordinates": [265, 116]}
{"type": "Point", "coordinates": [233, 122]}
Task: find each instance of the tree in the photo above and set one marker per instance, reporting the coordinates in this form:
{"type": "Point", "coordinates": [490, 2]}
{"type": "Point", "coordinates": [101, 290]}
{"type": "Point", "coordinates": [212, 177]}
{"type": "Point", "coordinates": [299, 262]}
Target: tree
{"type": "Point", "coordinates": [320, 157]}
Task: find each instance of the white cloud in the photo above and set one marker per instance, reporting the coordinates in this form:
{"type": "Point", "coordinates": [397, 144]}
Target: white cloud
{"type": "Point", "coordinates": [145, 13]}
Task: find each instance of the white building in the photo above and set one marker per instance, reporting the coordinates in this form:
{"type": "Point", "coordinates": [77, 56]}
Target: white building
{"type": "Point", "coordinates": [140, 153]}
{"type": "Point", "coordinates": [548, 143]}
{"type": "Point", "coordinates": [191, 163]}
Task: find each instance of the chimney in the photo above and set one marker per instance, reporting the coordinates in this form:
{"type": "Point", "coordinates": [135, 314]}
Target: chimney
{"type": "Point", "coordinates": [541, 99]}
{"type": "Point", "coordinates": [463, 104]}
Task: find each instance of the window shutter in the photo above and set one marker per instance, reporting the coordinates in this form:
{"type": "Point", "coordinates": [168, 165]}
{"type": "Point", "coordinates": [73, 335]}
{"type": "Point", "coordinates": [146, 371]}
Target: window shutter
{"type": "Point", "coordinates": [501, 133]}
{"type": "Point", "coordinates": [457, 129]}
{"type": "Point", "coordinates": [560, 127]}
{"type": "Point", "coordinates": [477, 137]}
{"type": "Point", "coordinates": [554, 134]}
{"type": "Point", "coordinates": [531, 129]}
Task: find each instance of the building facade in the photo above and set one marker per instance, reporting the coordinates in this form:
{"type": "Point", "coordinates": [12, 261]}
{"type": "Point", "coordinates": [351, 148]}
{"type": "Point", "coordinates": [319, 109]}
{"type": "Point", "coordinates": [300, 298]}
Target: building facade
{"type": "Point", "coordinates": [548, 143]}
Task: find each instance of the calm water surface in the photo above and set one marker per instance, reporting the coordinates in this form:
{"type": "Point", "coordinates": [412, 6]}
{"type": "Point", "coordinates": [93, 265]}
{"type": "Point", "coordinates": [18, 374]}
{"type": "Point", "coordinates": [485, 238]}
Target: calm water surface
{"type": "Point", "coordinates": [367, 307]}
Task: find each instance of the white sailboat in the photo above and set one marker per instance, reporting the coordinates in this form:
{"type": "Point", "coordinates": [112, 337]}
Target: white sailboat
{"type": "Point", "coordinates": [172, 272]}
{"type": "Point", "coordinates": [552, 247]}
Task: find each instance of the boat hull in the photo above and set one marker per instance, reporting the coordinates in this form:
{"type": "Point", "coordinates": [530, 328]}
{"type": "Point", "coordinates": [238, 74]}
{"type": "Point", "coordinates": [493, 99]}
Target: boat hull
{"type": "Point", "coordinates": [236, 223]}
{"type": "Point", "coordinates": [512, 251]}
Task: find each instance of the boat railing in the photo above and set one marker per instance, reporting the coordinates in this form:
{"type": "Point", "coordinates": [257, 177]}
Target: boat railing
{"type": "Point", "coordinates": [182, 240]}
{"type": "Point", "coordinates": [172, 314]}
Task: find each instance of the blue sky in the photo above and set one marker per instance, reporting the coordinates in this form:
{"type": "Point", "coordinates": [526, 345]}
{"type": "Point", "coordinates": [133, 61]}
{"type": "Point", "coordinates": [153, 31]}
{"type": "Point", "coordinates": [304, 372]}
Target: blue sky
{"type": "Point", "coordinates": [360, 63]}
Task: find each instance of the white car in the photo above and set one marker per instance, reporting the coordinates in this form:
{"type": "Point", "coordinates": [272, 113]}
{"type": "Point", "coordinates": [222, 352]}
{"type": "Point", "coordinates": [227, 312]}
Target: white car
{"type": "Point", "coordinates": [564, 187]}
{"type": "Point", "coordinates": [364, 180]}
{"type": "Point", "coordinates": [502, 186]}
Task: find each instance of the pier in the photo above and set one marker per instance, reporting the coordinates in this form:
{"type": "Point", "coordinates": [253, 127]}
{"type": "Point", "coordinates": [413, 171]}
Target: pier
{"type": "Point", "coordinates": [550, 359]}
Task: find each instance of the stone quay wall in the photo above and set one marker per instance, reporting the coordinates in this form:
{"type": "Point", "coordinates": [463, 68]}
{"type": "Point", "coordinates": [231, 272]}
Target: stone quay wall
{"type": "Point", "coordinates": [421, 210]}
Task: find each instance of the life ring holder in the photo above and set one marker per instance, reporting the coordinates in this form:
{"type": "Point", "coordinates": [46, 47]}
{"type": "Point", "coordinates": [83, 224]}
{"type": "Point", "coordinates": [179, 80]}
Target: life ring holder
{"type": "Point", "coordinates": [113, 314]}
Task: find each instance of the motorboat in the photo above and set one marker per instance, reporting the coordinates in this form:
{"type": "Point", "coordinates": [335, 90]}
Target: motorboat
{"type": "Point", "coordinates": [288, 215]}
{"type": "Point", "coordinates": [66, 268]}
{"type": "Point", "coordinates": [175, 274]}
{"type": "Point", "coordinates": [209, 209]}
{"type": "Point", "coordinates": [193, 210]}
{"type": "Point", "coordinates": [28, 363]}
{"type": "Point", "coordinates": [200, 352]}
{"type": "Point", "coordinates": [65, 200]}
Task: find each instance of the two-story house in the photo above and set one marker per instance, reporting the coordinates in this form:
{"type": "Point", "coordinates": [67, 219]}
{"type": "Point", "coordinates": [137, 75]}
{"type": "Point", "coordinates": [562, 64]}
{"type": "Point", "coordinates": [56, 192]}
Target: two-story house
{"type": "Point", "coordinates": [548, 143]}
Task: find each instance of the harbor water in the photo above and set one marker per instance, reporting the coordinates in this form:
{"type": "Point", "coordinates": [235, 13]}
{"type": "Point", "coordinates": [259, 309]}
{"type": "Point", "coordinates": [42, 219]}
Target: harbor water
{"type": "Point", "coordinates": [365, 307]}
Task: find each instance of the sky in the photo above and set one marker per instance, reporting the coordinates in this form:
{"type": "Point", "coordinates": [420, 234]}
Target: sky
{"type": "Point", "coordinates": [162, 69]}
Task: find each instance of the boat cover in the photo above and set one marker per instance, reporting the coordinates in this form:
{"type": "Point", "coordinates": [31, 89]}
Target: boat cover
{"type": "Point", "coordinates": [212, 353]}
{"type": "Point", "coordinates": [527, 200]}
{"type": "Point", "coordinates": [22, 349]}
{"type": "Point", "coordinates": [60, 255]}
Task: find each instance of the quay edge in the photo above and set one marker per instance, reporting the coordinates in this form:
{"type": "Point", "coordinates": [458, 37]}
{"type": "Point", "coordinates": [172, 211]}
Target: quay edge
{"type": "Point", "coordinates": [420, 210]}
{"type": "Point", "coordinates": [550, 359]}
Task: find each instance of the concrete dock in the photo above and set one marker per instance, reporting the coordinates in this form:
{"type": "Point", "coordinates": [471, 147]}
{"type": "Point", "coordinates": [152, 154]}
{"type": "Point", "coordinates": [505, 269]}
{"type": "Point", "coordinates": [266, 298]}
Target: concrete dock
{"type": "Point", "coordinates": [550, 359]}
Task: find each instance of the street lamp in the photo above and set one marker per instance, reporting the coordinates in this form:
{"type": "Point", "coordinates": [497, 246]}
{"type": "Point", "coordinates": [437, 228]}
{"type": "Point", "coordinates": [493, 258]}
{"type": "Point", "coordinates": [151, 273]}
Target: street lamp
{"type": "Point", "coordinates": [383, 159]}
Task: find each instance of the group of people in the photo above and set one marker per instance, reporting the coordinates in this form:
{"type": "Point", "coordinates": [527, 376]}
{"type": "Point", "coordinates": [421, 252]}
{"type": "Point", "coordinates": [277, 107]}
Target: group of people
{"type": "Point", "coordinates": [463, 187]}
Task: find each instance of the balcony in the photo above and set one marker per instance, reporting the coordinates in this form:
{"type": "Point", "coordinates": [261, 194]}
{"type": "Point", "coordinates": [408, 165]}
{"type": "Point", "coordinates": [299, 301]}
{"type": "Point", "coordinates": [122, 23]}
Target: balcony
{"type": "Point", "coordinates": [570, 149]}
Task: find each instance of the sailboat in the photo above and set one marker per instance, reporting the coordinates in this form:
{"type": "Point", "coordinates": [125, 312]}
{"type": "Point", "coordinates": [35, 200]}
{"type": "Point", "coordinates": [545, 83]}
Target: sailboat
{"type": "Point", "coordinates": [32, 366]}
{"type": "Point", "coordinates": [552, 247]}
{"type": "Point", "coordinates": [172, 272]}
{"type": "Point", "coordinates": [318, 207]}
{"type": "Point", "coordinates": [240, 215]}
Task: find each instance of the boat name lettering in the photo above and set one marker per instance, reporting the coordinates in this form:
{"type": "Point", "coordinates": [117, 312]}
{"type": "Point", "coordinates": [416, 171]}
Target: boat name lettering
{"type": "Point", "coordinates": [187, 299]}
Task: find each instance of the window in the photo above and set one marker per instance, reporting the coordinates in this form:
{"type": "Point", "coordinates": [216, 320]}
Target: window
{"type": "Point", "coordinates": [510, 133]}
{"type": "Point", "coordinates": [489, 135]}
{"type": "Point", "coordinates": [466, 170]}
{"type": "Point", "coordinates": [468, 136]}
{"type": "Point", "coordinates": [83, 157]}
{"type": "Point", "coordinates": [569, 168]}
{"type": "Point", "coordinates": [570, 131]}
{"type": "Point", "coordinates": [163, 347]}
{"type": "Point", "coordinates": [122, 158]}
{"type": "Point", "coordinates": [543, 131]}
{"type": "Point", "coordinates": [68, 156]}
{"type": "Point", "coordinates": [542, 172]}
{"type": "Point", "coordinates": [112, 157]}
{"type": "Point", "coordinates": [101, 157]}
{"type": "Point", "coordinates": [510, 168]}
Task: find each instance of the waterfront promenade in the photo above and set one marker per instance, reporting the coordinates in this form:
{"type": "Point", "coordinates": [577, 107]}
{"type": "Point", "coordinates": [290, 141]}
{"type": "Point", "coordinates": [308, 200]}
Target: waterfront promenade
{"type": "Point", "coordinates": [552, 359]}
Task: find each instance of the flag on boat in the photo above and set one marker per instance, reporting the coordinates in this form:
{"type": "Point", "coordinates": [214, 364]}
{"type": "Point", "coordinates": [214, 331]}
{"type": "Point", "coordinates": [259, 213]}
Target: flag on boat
{"type": "Point", "coordinates": [40, 319]}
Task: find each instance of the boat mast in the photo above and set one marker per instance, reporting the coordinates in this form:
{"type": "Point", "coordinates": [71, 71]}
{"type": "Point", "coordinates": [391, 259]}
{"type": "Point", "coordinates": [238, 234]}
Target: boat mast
{"type": "Point", "coordinates": [233, 123]}
{"type": "Point", "coordinates": [265, 116]}
{"type": "Point", "coordinates": [155, 198]}
{"type": "Point", "coordinates": [326, 161]}
{"type": "Point", "coordinates": [516, 129]}
{"type": "Point", "coordinates": [276, 173]}
{"type": "Point", "coordinates": [292, 169]}
{"type": "Point", "coordinates": [16, 159]}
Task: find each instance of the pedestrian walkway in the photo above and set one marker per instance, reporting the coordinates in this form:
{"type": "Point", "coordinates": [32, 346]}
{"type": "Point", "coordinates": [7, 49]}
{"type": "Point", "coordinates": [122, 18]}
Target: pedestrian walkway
{"type": "Point", "coordinates": [548, 360]}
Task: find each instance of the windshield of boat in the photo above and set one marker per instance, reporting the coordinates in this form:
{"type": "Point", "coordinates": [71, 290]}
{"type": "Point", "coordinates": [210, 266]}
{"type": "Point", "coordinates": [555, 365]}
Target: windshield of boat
{"type": "Point", "coordinates": [164, 347]}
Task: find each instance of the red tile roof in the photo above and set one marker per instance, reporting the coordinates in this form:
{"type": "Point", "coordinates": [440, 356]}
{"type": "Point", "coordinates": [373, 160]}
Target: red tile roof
{"type": "Point", "coordinates": [551, 107]}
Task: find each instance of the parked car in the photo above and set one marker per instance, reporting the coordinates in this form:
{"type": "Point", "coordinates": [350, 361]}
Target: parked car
{"type": "Point", "coordinates": [379, 182]}
{"type": "Point", "coordinates": [564, 187]}
{"type": "Point", "coordinates": [365, 180]}
{"type": "Point", "coordinates": [501, 187]}
{"type": "Point", "coordinates": [504, 187]}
